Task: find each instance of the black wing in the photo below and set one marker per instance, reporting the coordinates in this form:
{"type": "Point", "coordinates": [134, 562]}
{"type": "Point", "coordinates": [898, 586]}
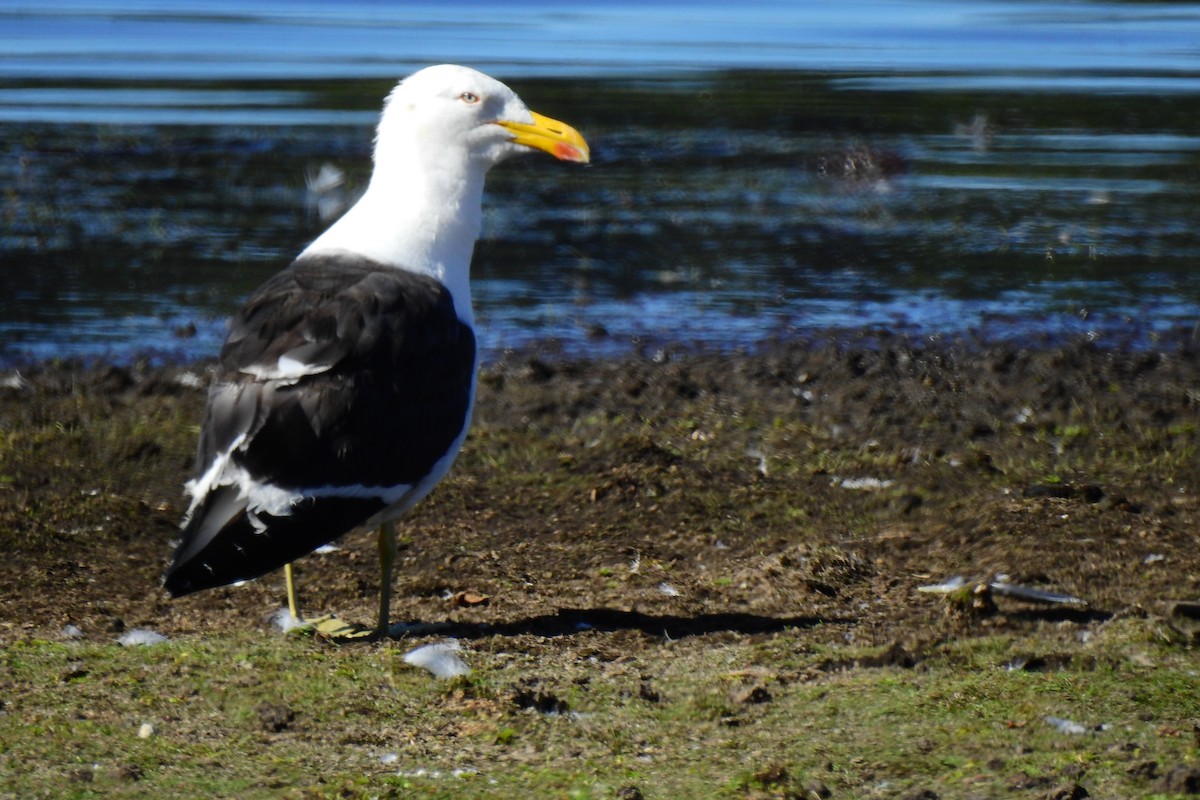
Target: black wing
{"type": "Point", "coordinates": [342, 384]}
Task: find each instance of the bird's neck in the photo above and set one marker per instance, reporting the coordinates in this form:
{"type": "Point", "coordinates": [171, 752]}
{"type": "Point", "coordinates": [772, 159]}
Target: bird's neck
{"type": "Point", "coordinates": [421, 217]}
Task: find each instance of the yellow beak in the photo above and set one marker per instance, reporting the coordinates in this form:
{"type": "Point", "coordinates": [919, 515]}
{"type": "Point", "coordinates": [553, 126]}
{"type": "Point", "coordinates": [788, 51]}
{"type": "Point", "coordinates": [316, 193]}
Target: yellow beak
{"type": "Point", "coordinates": [556, 138]}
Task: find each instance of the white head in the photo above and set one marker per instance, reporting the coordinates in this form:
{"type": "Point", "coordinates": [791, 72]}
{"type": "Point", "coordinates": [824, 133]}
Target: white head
{"type": "Point", "coordinates": [449, 111]}
{"type": "Point", "coordinates": [441, 130]}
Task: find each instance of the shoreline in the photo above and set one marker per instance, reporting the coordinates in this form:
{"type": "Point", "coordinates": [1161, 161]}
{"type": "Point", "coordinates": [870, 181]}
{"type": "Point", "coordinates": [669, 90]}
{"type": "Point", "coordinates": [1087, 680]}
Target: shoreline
{"type": "Point", "coordinates": [1177, 338]}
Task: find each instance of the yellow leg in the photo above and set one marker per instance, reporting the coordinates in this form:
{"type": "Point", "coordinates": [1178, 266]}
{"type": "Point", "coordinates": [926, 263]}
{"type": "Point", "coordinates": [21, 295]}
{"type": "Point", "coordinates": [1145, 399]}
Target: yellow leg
{"type": "Point", "coordinates": [387, 560]}
{"type": "Point", "coordinates": [328, 626]}
{"type": "Point", "coordinates": [293, 606]}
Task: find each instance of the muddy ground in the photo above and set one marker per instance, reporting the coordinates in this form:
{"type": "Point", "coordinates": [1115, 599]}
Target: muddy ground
{"type": "Point", "coordinates": [814, 485]}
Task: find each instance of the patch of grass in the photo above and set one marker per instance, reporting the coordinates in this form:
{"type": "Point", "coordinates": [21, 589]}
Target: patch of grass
{"type": "Point", "coordinates": [359, 723]}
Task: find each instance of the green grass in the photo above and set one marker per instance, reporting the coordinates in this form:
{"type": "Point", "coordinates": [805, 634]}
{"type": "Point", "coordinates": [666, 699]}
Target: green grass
{"type": "Point", "coordinates": [367, 725]}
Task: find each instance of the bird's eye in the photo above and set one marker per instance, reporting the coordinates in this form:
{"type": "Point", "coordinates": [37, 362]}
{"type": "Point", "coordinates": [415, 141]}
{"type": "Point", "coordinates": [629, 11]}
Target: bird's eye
{"type": "Point", "coordinates": [470, 98]}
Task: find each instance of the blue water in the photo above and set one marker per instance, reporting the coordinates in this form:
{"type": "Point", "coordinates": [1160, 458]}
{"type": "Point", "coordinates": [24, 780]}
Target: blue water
{"type": "Point", "coordinates": [225, 39]}
{"type": "Point", "coordinates": [762, 171]}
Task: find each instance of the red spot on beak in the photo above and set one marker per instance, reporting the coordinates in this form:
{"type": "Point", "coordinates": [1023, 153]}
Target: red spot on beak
{"type": "Point", "coordinates": [568, 152]}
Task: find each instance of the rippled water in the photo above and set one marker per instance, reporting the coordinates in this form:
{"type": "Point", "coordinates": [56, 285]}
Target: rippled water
{"type": "Point", "coordinates": [1012, 169]}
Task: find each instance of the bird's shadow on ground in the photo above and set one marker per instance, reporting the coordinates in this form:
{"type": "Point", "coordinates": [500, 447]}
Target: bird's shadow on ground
{"type": "Point", "coordinates": [1078, 616]}
{"type": "Point", "coordinates": [573, 621]}
{"type": "Point", "coordinates": [570, 621]}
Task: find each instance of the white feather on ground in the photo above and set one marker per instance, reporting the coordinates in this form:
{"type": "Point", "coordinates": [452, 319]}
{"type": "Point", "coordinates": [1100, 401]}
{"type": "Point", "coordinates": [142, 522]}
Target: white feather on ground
{"type": "Point", "coordinates": [441, 659]}
{"type": "Point", "coordinates": [282, 618]}
{"type": "Point", "coordinates": [138, 636]}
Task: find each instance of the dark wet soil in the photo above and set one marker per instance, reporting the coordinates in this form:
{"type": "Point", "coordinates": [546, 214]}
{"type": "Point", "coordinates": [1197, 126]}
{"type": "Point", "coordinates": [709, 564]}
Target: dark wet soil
{"type": "Point", "coordinates": [814, 485]}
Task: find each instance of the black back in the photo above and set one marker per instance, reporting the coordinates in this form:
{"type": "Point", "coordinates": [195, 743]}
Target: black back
{"type": "Point", "coordinates": [390, 391]}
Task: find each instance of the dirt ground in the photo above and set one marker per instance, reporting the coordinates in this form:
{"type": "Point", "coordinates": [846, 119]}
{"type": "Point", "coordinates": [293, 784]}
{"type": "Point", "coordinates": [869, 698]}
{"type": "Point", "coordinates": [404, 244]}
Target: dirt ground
{"type": "Point", "coordinates": [815, 482]}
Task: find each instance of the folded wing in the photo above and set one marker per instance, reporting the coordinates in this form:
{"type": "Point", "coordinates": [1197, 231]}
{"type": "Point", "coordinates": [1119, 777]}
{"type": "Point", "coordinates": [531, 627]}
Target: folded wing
{"type": "Point", "coordinates": [344, 392]}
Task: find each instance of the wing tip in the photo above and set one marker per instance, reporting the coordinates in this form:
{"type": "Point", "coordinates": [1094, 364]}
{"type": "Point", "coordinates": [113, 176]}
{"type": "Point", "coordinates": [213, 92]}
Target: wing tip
{"type": "Point", "coordinates": [175, 586]}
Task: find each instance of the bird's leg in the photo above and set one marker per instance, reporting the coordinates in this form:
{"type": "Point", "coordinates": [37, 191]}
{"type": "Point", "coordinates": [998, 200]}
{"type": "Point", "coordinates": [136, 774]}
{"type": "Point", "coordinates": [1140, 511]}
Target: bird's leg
{"type": "Point", "coordinates": [327, 626]}
{"type": "Point", "coordinates": [387, 559]}
{"type": "Point", "coordinates": [293, 606]}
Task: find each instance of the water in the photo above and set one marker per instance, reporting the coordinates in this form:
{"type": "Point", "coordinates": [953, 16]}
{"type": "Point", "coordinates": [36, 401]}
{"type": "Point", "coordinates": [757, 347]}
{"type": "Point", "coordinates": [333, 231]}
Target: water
{"type": "Point", "coordinates": [1012, 170]}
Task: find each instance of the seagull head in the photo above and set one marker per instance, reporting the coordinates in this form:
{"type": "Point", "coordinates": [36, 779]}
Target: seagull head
{"type": "Point", "coordinates": [451, 110]}
{"type": "Point", "coordinates": [441, 130]}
